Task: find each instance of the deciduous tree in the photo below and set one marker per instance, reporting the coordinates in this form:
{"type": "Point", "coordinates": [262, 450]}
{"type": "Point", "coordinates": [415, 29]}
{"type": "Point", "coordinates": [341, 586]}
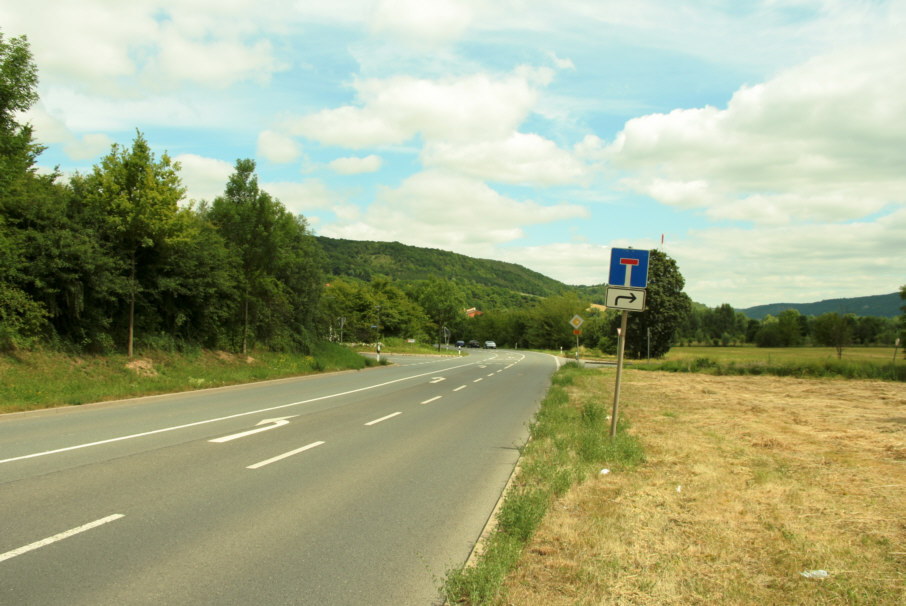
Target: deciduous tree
{"type": "Point", "coordinates": [833, 330]}
{"type": "Point", "coordinates": [279, 262]}
{"type": "Point", "coordinates": [666, 306]}
{"type": "Point", "coordinates": [134, 199]}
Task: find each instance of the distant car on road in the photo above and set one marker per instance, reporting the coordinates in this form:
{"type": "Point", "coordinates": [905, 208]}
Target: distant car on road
{"type": "Point", "coordinates": [460, 343]}
{"type": "Point", "coordinates": [474, 343]}
{"type": "Point", "coordinates": [490, 345]}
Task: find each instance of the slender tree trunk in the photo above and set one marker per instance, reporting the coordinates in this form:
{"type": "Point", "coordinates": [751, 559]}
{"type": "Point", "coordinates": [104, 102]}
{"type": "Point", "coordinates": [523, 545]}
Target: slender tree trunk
{"type": "Point", "coordinates": [245, 323]}
{"type": "Point", "coordinates": [131, 306]}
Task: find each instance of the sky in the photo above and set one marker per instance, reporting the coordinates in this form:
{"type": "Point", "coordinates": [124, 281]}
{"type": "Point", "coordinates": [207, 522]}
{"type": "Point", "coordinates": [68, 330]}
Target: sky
{"type": "Point", "coordinates": [759, 143]}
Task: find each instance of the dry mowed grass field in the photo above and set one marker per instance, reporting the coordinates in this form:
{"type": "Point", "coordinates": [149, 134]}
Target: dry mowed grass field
{"type": "Point", "coordinates": [749, 482]}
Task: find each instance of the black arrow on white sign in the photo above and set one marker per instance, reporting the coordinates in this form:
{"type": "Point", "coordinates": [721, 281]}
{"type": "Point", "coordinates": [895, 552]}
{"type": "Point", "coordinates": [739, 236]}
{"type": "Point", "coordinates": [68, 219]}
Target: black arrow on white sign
{"type": "Point", "coordinates": [631, 298]}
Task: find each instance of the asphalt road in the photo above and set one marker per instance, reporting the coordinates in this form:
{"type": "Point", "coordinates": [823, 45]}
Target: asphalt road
{"type": "Point", "coordinates": [350, 488]}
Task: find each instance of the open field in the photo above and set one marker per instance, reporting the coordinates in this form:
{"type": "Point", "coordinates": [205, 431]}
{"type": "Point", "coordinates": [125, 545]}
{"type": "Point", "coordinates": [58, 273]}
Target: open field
{"type": "Point", "coordinates": [748, 482]}
{"type": "Point", "coordinates": [769, 355]}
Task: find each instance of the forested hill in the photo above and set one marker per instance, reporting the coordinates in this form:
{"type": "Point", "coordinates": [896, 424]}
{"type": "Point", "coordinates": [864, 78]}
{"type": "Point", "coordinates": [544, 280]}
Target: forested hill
{"type": "Point", "coordinates": [882, 306]}
{"type": "Point", "coordinates": [365, 260]}
{"type": "Point", "coordinates": [493, 284]}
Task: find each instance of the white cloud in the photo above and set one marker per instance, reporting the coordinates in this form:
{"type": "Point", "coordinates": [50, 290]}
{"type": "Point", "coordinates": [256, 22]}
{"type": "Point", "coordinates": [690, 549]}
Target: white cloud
{"type": "Point", "coordinates": [204, 178]}
{"type": "Point", "coordinates": [393, 110]}
{"type": "Point", "coordinates": [792, 263]}
{"type": "Point", "coordinates": [305, 197]}
{"type": "Point", "coordinates": [420, 22]}
{"type": "Point", "coordinates": [519, 158]}
{"type": "Point", "coordinates": [561, 63]}
{"type": "Point", "coordinates": [569, 262]}
{"type": "Point", "coordinates": [124, 48]}
{"type": "Point", "coordinates": [216, 64]}
{"type": "Point", "coordinates": [442, 210]}
{"type": "Point", "coordinates": [87, 147]}
{"type": "Point", "coordinates": [823, 141]}
{"type": "Point", "coordinates": [49, 130]}
{"type": "Point", "coordinates": [355, 166]}
{"type": "Point", "coordinates": [79, 112]}
{"type": "Point", "coordinates": [277, 147]}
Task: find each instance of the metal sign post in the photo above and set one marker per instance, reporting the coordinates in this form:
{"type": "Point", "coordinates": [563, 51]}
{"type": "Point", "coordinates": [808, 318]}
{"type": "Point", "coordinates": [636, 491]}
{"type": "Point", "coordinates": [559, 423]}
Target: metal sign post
{"type": "Point", "coordinates": [621, 344]}
{"type": "Point", "coordinates": [626, 291]}
{"type": "Point", "coordinates": [576, 322]}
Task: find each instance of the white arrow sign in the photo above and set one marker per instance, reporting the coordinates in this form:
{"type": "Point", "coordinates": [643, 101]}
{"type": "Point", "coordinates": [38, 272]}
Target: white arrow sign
{"type": "Point", "coordinates": [628, 299]}
{"type": "Point", "coordinates": [267, 423]}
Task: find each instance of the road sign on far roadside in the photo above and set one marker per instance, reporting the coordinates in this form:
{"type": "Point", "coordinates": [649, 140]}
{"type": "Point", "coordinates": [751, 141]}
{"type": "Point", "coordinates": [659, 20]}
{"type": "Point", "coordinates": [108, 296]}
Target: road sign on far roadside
{"type": "Point", "coordinates": [577, 321]}
{"type": "Point", "coordinates": [628, 267]}
{"type": "Point", "coordinates": [627, 299]}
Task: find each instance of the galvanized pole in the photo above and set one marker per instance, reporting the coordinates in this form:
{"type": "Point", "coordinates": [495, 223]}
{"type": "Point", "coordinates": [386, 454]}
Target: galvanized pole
{"type": "Point", "coordinates": [621, 344]}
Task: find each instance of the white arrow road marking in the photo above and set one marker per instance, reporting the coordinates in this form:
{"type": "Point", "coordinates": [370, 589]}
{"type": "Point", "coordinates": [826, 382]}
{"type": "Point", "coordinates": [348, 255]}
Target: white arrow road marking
{"type": "Point", "coordinates": [59, 537]}
{"type": "Point", "coordinates": [274, 423]}
{"type": "Point", "coordinates": [284, 455]}
{"type": "Point", "coordinates": [218, 419]}
{"type": "Point", "coordinates": [376, 421]}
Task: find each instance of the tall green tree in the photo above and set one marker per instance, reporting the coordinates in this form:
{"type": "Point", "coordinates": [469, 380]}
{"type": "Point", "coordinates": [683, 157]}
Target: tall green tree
{"type": "Point", "coordinates": [442, 300]}
{"type": "Point", "coordinates": [548, 324]}
{"type": "Point", "coordinates": [279, 262]}
{"type": "Point", "coordinates": [18, 92]}
{"type": "Point", "coordinates": [134, 199]}
{"type": "Point", "coordinates": [833, 330]}
{"type": "Point", "coordinates": [245, 217]}
{"type": "Point", "coordinates": [666, 306]}
{"type": "Point", "coordinates": [196, 291]}
{"type": "Point", "coordinates": [789, 326]}
{"type": "Point", "coordinates": [21, 316]}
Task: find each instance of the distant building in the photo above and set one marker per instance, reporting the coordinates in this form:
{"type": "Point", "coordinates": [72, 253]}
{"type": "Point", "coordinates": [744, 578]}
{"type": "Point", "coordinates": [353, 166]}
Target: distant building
{"type": "Point", "coordinates": [472, 312]}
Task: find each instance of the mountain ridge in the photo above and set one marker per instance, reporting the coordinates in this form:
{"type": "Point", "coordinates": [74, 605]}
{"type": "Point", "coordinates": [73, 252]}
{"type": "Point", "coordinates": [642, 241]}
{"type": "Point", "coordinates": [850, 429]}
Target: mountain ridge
{"type": "Point", "coordinates": [885, 306]}
{"type": "Point", "coordinates": [489, 282]}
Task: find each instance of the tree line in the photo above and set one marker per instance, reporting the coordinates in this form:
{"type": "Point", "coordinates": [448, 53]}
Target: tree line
{"type": "Point", "coordinates": [117, 257]}
{"type": "Point", "coordinates": [723, 326]}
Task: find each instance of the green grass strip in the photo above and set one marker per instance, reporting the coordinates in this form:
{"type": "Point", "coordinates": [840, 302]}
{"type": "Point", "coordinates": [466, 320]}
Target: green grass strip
{"type": "Point", "coordinates": [569, 440]}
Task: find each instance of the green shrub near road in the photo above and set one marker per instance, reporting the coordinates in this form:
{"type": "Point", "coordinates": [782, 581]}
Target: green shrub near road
{"type": "Point", "coordinates": [37, 379]}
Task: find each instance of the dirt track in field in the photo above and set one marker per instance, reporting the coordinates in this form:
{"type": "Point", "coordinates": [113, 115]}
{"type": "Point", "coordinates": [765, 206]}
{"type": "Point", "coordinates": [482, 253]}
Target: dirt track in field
{"type": "Point", "coordinates": [749, 481]}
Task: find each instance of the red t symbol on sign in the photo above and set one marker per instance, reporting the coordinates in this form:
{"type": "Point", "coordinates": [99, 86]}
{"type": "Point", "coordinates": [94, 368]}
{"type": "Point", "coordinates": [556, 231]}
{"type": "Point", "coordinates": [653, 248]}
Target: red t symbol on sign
{"type": "Point", "coordinates": [629, 263]}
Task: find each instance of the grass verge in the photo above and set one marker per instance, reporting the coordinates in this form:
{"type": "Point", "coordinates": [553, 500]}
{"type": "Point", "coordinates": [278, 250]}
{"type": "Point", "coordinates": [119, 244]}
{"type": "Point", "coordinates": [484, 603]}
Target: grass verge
{"type": "Point", "coordinates": [847, 369]}
{"type": "Point", "coordinates": [569, 441]}
{"type": "Point", "coordinates": [38, 379]}
{"type": "Point", "coordinates": [804, 362]}
{"type": "Point", "coordinates": [754, 490]}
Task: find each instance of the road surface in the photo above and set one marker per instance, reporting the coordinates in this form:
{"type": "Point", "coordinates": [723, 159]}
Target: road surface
{"type": "Point", "coordinates": [350, 488]}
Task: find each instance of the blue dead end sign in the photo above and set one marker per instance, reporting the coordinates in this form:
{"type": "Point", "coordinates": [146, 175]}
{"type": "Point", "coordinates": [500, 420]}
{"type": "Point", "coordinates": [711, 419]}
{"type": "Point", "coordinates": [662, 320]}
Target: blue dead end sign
{"type": "Point", "coordinates": [628, 267]}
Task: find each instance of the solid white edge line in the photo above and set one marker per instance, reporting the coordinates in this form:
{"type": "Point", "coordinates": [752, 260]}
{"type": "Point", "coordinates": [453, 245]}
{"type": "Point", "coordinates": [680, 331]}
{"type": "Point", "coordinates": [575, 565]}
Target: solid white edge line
{"type": "Point", "coordinates": [284, 455]}
{"type": "Point", "coordinates": [376, 421]}
{"type": "Point", "coordinates": [59, 537]}
{"type": "Point", "coordinates": [432, 399]}
{"type": "Point", "coordinates": [226, 418]}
